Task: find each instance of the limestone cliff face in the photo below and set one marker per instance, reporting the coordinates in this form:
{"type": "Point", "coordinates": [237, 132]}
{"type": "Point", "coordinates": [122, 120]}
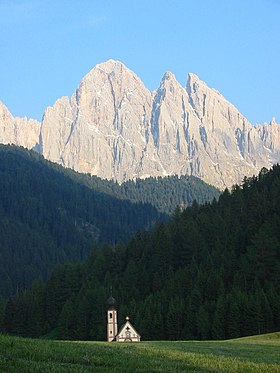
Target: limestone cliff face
{"type": "Point", "coordinates": [117, 129]}
{"type": "Point", "coordinates": [18, 131]}
{"type": "Point", "coordinates": [270, 136]}
{"type": "Point", "coordinates": [104, 128]}
{"type": "Point", "coordinates": [233, 145]}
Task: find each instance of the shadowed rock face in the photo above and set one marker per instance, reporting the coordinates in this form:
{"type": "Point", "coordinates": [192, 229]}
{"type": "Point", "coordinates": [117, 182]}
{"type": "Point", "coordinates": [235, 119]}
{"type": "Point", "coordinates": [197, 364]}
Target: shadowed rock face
{"type": "Point", "coordinates": [114, 127]}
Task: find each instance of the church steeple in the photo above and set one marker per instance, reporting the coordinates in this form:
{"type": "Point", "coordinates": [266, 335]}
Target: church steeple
{"type": "Point", "coordinates": [112, 321]}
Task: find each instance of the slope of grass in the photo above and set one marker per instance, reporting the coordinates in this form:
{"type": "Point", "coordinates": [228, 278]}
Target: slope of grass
{"type": "Point", "coordinates": [273, 338]}
{"type": "Point", "coordinates": [247, 355]}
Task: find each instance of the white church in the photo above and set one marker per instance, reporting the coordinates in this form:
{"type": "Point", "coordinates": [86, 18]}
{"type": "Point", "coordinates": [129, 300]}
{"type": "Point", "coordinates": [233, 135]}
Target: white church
{"type": "Point", "coordinates": [127, 332]}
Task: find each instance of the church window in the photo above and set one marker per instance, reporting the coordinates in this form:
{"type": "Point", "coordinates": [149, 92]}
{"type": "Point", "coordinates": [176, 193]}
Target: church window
{"type": "Point", "coordinates": [111, 315]}
{"type": "Point", "coordinates": [128, 333]}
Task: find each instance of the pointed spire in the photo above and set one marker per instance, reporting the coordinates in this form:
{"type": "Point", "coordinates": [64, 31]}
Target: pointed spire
{"type": "Point", "coordinates": [193, 80]}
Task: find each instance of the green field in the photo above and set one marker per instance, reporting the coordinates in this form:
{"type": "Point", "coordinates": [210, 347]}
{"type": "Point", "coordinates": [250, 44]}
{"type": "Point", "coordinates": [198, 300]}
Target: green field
{"type": "Point", "coordinates": [251, 354]}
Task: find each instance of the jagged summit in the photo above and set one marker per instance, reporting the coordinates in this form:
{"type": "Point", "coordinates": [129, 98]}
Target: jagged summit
{"type": "Point", "coordinates": [109, 63]}
{"type": "Point", "coordinates": [110, 77]}
{"type": "Point", "coordinates": [4, 112]}
{"type": "Point", "coordinates": [192, 77]}
{"type": "Point", "coordinates": [168, 76]}
{"type": "Point", "coordinates": [273, 121]}
{"type": "Point", "coordinates": [194, 83]}
{"type": "Point", "coordinates": [114, 127]}
{"type": "Point", "coordinates": [170, 80]}
{"type": "Point", "coordinates": [108, 68]}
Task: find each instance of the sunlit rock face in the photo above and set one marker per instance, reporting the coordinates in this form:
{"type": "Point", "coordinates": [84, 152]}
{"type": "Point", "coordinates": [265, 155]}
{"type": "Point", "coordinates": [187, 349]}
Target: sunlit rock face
{"type": "Point", "coordinates": [114, 127]}
{"type": "Point", "coordinates": [18, 131]}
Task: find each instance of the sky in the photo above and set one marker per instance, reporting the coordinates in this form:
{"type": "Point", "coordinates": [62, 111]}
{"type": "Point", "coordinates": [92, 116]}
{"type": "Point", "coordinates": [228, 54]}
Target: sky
{"type": "Point", "coordinates": [47, 47]}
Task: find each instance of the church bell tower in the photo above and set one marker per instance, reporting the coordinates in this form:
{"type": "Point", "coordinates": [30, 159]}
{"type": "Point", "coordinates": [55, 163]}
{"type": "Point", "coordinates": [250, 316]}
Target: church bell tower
{"type": "Point", "coordinates": [112, 321]}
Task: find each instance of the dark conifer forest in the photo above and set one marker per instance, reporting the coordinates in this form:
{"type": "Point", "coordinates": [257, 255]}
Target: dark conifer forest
{"type": "Point", "coordinates": [211, 271]}
{"type": "Point", "coordinates": [50, 215]}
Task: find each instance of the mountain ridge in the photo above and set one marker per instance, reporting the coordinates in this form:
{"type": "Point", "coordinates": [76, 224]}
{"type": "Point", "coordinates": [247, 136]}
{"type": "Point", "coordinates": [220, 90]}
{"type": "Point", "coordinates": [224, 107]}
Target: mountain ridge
{"type": "Point", "coordinates": [114, 127]}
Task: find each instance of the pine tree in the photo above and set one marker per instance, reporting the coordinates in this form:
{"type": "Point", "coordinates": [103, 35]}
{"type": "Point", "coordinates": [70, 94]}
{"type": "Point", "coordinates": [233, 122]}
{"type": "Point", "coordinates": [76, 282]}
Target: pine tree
{"type": "Point", "coordinates": [174, 319]}
{"type": "Point", "coordinates": [67, 321]}
{"type": "Point", "coordinates": [266, 317]}
{"type": "Point", "coordinates": [218, 325]}
{"type": "Point", "coordinates": [9, 318]}
{"type": "Point", "coordinates": [2, 311]}
{"type": "Point", "coordinates": [203, 326]}
{"type": "Point", "coordinates": [233, 318]}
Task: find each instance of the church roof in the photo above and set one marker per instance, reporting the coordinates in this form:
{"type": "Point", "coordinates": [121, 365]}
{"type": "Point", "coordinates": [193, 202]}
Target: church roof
{"type": "Point", "coordinates": [111, 302]}
{"type": "Point", "coordinates": [131, 326]}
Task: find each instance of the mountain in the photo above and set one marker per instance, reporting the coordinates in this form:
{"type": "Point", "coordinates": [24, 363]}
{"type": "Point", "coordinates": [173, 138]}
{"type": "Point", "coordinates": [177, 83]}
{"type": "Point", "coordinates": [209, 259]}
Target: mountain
{"type": "Point", "coordinates": [115, 128]}
{"type": "Point", "coordinates": [51, 215]}
{"type": "Point", "coordinates": [210, 272]}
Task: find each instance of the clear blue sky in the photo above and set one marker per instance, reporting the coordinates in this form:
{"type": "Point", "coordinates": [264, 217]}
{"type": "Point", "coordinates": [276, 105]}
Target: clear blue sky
{"type": "Point", "coordinates": [233, 45]}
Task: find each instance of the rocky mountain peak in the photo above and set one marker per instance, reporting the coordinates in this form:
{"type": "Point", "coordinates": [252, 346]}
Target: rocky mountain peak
{"type": "Point", "coordinates": [273, 122]}
{"type": "Point", "coordinates": [168, 76]}
{"type": "Point", "coordinates": [193, 83]}
{"type": "Point", "coordinates": [170, 83]}
{"type": "Point", "coordinates": [110, 79]}
{"type": "Point", "coordinates": [4, 113]}
{"type": "Point", "coordinates": [114, 127]}
{"type": "Point", "coordinates": [192, 78]}
{"type": "Point", "coordinates": [113, 70]}
{"type": "Point", "coordinates": [107, 68]}
{"type": "Point", "coordinates": [110, 65]}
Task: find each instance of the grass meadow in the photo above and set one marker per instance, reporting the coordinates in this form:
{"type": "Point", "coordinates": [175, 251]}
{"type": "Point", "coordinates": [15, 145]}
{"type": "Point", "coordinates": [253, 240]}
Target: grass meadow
{"type": "Point", "coordinates": [259, 354]}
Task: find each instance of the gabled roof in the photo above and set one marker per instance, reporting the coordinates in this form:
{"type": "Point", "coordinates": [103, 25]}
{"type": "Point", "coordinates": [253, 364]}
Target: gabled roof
{"type": "Point", "coordinates": [127, 323]}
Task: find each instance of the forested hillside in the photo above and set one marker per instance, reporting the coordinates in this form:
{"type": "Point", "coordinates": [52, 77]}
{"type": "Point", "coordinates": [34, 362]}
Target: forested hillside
{"type": "Point", "coordinates": [51, 215]}
{"type": "Point", "coordinates": [47, 218]}
{"type": "Point", "coordinates": [164, 193]}
{"type": "Point", "coordinates": [212, 271]}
